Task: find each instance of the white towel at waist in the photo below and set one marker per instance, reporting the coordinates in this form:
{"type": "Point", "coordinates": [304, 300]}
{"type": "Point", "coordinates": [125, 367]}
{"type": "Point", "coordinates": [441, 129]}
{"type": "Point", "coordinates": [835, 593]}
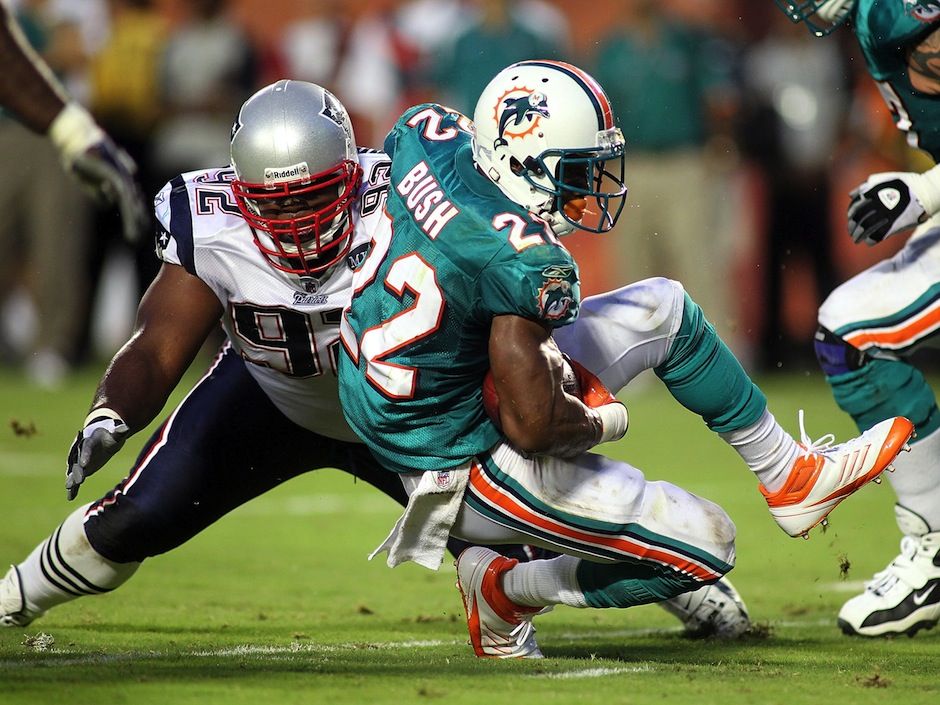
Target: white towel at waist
{"type": "Point", "coordinates": [421, 533]}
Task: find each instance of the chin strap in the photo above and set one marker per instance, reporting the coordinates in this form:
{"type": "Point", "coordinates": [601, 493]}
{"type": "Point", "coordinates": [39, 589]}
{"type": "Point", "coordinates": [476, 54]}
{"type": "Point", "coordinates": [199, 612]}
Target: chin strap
{"type": "Point", "coordinates": [560, 225]}
{"type": "Point", "coordinates": [834, 11]}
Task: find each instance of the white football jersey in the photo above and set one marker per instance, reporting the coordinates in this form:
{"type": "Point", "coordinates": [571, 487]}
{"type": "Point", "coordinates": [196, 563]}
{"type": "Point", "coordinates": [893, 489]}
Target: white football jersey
{"type": "Point", "coordinates": [285, 326]}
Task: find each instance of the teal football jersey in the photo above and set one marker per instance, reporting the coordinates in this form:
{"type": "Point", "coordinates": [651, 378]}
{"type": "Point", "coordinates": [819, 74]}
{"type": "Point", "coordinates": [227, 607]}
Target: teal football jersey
{"type": "Point", "coordinates": [886, 29]}
{"type": "Point", "coordinates": [453, 254]}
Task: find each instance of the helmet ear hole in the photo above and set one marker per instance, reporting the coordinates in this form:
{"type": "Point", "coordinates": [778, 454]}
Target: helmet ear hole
{"type": "Point", "coordinates": [533, 165]}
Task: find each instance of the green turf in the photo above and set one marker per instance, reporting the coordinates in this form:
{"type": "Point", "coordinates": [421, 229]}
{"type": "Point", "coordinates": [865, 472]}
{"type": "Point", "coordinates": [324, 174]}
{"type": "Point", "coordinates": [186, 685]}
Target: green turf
{"type": "Point", "coordinates": [277, 604]}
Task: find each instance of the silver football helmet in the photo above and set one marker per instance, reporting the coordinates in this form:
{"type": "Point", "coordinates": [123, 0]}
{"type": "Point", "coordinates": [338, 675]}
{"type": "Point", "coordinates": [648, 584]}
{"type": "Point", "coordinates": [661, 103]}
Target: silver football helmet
{"type": "Point", "coordinates": [545, 136]}
{"type": "Point", "coordinates": [296, 175]}
{"type": "Point", "coordinates": [821, 16]}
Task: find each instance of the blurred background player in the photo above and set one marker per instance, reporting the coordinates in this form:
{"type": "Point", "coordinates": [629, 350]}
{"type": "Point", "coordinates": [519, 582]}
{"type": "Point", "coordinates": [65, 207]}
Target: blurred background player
{"type": "Point", "coordinates": [45, 221]}
{"type": "Point", "coordinates": [30, 91]}
{"type": "Point", "coordinates": [471, 279]}
{"type": "Point", "coordinates": [871, 326]}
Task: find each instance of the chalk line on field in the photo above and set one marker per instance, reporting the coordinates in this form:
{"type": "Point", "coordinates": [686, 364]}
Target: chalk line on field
{"type": "Point", "coordinates": [61, 657]}
{"type": "Point", "coordinates": [594, 672]}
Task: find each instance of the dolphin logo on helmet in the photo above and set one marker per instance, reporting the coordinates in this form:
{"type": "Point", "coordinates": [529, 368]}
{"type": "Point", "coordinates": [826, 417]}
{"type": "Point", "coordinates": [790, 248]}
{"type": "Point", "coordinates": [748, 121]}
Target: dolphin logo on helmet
{"type": "Point", "coordinates": [522, 108]}
{"type": "Point", "coordinates": [925, 11]}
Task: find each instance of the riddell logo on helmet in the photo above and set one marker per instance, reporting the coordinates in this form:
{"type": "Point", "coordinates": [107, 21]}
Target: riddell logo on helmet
{"type": "Point", "coordinates": [273, 175]}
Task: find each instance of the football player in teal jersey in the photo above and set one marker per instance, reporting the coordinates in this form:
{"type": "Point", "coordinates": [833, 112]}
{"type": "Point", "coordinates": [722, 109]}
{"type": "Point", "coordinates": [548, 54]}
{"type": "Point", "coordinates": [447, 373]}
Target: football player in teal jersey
{"type": "Point", "coordinates": [467, 281]}
{"type": "Point", "coordinates": [870, 326]}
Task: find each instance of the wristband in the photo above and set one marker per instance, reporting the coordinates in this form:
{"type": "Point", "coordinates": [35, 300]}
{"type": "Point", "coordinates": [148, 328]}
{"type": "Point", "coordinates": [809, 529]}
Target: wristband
{"type": "Point", "coordinates": [102, 413]}
{"type": "Point", "coordinates": [73, 131]}
{"type": "Point", "coordinates": [614, 421]}
{"type": "Point", "coordinates": [927, 190]}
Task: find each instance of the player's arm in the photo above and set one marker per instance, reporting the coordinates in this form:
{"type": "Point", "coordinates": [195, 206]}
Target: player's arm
{"type": "Point", "coordinates": [27, 87]}
{"type": "Point", "coordinates": [30, 91]}
{"type": "Point", "coordinates": [535, 413]}
{"type": "Point", "coordinates": [173, 320]}
{"type": "Point", "coordinates": [892, 202]}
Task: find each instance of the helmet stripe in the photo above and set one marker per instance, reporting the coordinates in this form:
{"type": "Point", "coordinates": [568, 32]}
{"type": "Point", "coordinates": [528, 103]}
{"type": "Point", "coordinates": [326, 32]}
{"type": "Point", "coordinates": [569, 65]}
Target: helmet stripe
{"type": "Point", "coordinates": [605, 115]}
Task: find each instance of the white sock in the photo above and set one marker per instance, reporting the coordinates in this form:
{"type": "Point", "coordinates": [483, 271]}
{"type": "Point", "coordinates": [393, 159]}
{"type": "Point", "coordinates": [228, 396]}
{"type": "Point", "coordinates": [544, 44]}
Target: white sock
{"type": "Point", "coordinates": [916, 479]}
{"type": "Point", "coordinates": [768, 450]}
{"type": "Point", "coordinates": [65, 566]}
{"type": "Point", "coordinates": [546, 582]}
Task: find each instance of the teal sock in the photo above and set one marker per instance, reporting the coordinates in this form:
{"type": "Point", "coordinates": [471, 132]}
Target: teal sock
{"type": "Point", "coordinates": [705, 377]}
{"type": "Point", "coordinates": [880, 389]}
{"type": "Point", "coordinates": [630, 584]}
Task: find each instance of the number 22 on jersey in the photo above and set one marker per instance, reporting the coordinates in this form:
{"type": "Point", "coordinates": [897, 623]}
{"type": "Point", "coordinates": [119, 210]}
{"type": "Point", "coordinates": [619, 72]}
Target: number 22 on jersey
{"type": "Point", "coordinates": [422, 318]}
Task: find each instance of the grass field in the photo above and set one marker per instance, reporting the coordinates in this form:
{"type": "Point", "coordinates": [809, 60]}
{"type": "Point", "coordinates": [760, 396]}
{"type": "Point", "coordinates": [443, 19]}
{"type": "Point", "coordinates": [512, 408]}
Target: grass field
{"type": "Point", "coordinates": [277, 604]}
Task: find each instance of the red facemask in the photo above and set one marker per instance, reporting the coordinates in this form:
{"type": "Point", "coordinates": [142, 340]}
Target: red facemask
{"type": "Point", "coordinates": [308, 221]}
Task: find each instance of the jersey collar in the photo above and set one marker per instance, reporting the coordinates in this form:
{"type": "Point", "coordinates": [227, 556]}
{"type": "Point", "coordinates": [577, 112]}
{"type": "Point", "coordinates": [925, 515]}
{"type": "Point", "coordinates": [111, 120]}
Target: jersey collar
{"type": "Point", "coordinates": [468, 173]}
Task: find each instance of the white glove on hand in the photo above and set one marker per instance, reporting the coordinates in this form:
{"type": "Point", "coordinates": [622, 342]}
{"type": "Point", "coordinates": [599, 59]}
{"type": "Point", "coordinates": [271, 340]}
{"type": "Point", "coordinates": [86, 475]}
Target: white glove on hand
{"type": "Point", "coordinates": [102, 166]}
{"type": "Point", "coordinates": [892, 202]}
{"type": "Point", "coordinates": [102, 436]}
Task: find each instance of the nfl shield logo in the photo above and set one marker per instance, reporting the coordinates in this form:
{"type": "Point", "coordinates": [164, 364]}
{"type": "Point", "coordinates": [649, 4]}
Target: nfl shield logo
{"type": "Point", "coordinates": [310, 285]}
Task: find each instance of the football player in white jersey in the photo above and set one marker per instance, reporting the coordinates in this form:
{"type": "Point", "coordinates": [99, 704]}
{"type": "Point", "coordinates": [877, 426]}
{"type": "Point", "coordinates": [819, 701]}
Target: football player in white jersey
{"type": "Point", "coordinates": [267, 246]}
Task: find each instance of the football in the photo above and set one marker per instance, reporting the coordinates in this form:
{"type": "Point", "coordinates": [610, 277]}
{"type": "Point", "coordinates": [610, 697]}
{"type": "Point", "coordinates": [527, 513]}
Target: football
{"type": "Point", "coordinates": [569, 383]}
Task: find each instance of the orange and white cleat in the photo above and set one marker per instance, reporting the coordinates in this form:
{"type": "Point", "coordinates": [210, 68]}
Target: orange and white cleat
{"type": "Point", "coordinates": [825, 474]}
{"type": "Point", "coordinates": [499, 628]}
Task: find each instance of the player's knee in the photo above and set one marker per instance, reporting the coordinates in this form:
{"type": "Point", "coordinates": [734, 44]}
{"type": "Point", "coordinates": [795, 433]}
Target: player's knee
{"type": "Point", "coordinates": [718, 533]}
{"type": "Point", "coordinates": [835, 355]}
{"type": "Point", "coordinates": [663, 298]}
{"type": "Point", "coordinates": [124, 535]}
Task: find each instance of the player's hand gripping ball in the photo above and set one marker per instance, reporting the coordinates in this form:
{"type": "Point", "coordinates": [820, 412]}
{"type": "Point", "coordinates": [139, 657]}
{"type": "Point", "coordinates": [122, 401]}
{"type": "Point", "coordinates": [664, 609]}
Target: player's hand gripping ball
{"type": "Point", "coordinates": [577, 381]}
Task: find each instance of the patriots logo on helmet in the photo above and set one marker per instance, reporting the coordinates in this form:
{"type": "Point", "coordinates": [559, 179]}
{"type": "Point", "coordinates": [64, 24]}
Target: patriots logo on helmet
{"type": "Point", "coordinates": [926, 11]}
{"type": "Point", "coordinates": [520, 114]}
{"type": "Point", "coordinates": [332, 111]}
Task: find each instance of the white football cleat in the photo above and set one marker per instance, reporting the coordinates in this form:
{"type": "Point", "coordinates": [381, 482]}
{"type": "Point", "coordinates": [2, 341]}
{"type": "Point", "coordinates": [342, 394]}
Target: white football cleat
{"type": "Point", "coordinates": [499, 628]}
{"type": "Point", "coordinates": [715, 610]}
{"type": "Point", "coordinates": [823, 474]}
{"type": "Point", "coordinates": [904, 597]}
{"type": "Point", "coordinates": [13, 610]}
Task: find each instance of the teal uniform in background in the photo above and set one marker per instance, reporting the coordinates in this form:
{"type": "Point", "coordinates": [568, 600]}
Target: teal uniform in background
{"type": "Point", "coordinates": [885, 31]}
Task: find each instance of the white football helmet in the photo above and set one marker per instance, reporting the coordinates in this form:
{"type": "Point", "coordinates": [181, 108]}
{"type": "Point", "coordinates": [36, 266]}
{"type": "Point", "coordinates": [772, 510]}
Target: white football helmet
{"type": "Point", "coordinates": [821, 16]}
{"type": "Point", "coordinates": [296, 175]}
{"type": "Point", "coordinates": [544, 135]}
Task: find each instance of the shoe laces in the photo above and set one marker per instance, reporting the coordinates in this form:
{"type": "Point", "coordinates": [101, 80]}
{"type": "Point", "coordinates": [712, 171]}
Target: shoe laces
{"type": "Point", "coordinates": [820, 446]}
{"type": "Point", "coordinates": [521, 631]}
{"type": "Point", "coordinates": [886, 579]}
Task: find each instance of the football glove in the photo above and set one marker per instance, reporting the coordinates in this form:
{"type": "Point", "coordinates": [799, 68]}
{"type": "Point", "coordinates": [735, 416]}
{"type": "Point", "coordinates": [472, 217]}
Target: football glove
{"type": "Point", "coordinates": [613, 413]}
{"type": "Point", "coordinates": [102, 436]}
{"type": "Point", "coordinates": [101, 165]}
{"type": "Point", "coordinates": [892, 202]}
